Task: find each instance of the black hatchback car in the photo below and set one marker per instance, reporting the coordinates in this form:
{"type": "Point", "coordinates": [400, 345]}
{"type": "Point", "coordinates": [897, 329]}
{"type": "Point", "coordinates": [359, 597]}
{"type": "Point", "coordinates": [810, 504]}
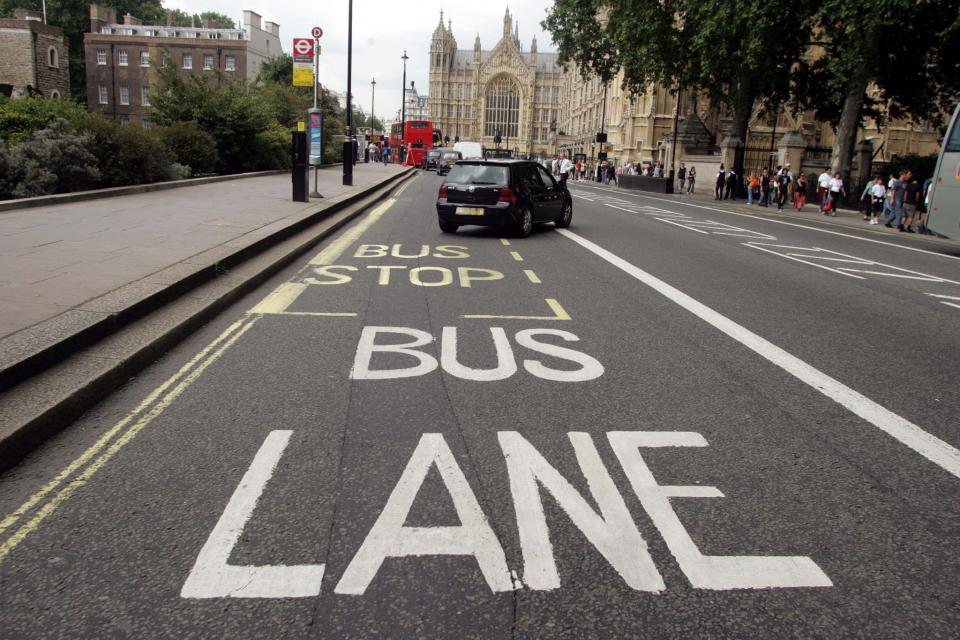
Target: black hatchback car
{"type": "Point", "coordinates": [431, 159]}
{"type": "Point", "coordinates": [502, 193]}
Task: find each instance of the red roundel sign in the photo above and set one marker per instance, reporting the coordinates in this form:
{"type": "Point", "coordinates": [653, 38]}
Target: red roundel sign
{"type": "Point", "coordinates": [303, 47]}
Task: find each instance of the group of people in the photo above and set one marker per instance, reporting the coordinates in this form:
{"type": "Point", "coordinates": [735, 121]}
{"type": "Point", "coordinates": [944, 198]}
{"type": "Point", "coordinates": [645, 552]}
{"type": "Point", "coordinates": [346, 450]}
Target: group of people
{"type": "Point", "coordinates": [901, 202]}
{"type": "Point", "coordinates": [583, 171]}
{"type": "Point", "coordinates": [376, 152]}
{"type": "Point", "coordinates": [781, 186]}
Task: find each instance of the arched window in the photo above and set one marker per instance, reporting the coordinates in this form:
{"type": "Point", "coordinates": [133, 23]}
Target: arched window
{"type": "Point", "coordinates": [52, 57]}
{"type": "Point", "coordinates": [503, 108]}
{"type": "Point", "coordinates": [54, 95]}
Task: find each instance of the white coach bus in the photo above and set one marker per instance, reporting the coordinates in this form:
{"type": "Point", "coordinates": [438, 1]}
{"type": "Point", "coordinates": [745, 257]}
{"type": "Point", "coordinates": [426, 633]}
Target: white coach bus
{"type": "Point", "coordinates": [944, 207]}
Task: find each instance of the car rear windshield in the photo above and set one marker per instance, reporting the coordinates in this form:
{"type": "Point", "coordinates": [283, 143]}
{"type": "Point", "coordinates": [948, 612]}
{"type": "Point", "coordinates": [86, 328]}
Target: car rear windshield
{"type": "Point", "coordinates": [479, 174]}
{"type": "Point", "coordinates": [447, 156]}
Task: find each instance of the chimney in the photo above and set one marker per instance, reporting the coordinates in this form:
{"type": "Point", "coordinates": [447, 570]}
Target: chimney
{"type": "Point", "coordinates": [168, 18]}
{"type": "Point", "coordinates": [101, 16]}
{"type": "Point", "coordinates": [131, 21]}
{"type": "Point", "coordinates": [272, 28]}
{"type": "Point", "coordinates": [208, 24]}
{"type": "Point", "coordinates": [252, 19]}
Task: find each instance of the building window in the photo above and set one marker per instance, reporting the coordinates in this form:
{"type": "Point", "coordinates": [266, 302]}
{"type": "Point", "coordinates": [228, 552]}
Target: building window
{"type": "Point", "coordinates": [103, 94]}
{"type": "Point", "coordinates": [145, 96]}
{"type": "Point", "coordinates": [123, 58]}
{"type": "Point", "coordinates": [124, 120]}
{"type": "Point", "coordinates": [101, 56]}
{"type": "Point", "coordinates": [503, 108]}
{"type": "Point", "coordinates": [124, 94]}
{"type": "Point", "coordinates": [144, 58]}
{"type": "Point", "coordinates": [207, 61]}
{"type": "Point", "coordinates": [52, 57]}
{"type": "Point", "coordinates": [147, 124]}
{"type": "Point", "coordinates": [231, 63]}
{"type": "Point", "coordinates": [187, 61]}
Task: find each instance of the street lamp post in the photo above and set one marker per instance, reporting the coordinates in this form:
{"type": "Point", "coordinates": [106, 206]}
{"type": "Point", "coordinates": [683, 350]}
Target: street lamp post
{"type": "Point", "coordinates": [348, 143]}
{"type": "Point", "coordinates": [403, 108]}
{"type": "Point", "coordinates": [373, 95]}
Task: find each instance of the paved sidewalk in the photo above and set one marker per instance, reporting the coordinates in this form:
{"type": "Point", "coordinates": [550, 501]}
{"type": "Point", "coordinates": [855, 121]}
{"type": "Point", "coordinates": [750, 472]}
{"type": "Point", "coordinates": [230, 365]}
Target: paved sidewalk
{"type": "Point", "coordinates": [845, 218]}
{"type": "Point", "coordinates": [54, 259]}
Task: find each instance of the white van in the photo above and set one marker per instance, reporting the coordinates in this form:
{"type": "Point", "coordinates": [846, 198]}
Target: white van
{"type": "Point", "coordinates": [469, 150]}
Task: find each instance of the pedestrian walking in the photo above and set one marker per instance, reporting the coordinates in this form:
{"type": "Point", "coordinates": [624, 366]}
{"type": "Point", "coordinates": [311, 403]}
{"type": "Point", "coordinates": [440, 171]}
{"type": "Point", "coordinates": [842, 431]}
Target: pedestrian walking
{"type": "Point", "coordinates": [888, 200]}
{"type": "Point", "coordinates": [752, 184]}
{"type": "Point", "coordinates": [566, 166]}
{"type": "Point", "coordinates": [837, 190]}
{"type": "Point", "coordinates": [765, 187]}
{"type": "Point", "coordinates": [783, 187]}
{"type": "Point", "coordinates": [800, 192]}
{"type": "Point", "coordinates": [682, 176]}
{"type": "Point", "coordinates": [823, 187]}
{"type": "Point", "coordinates": [911, 199]}
{"type": "Point", "coordinates": [877, 195]}
{"type": "Point", "coordinates": [691, 179]}
{"type": "Point", "coordinates": [924, 208]}
{"type": "Point", "coordinates": [731, 185]}
{"type": "Point", "coordinates": [899, 191]}
{"type": "Point", "coordinates": [721, 176]}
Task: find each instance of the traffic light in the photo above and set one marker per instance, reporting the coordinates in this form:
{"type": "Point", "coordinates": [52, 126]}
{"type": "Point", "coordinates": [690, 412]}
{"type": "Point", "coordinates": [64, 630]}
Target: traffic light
{"type": "Point", "coordinates": [446, 139]}
{"type": "Point", "coordinates": [601, 137]}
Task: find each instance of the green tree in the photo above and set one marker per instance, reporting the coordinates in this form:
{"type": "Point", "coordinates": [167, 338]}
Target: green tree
{"type": "Point", "coordinates": [191, 146]}
{"type": "Point", "coordinates": [55, 159]}
{"type": "Point", "coordinates": [21, 117]}
{"type": "Point", "coordinates": [908, 51]}
{"type": "Point", "coordinates": [233, 112]}
{"type": "Point", "coordinates": [278, 70]}
{"type": "Point", "coordinates": [218, 20]}
{"type": "Point", "coordinates": [736, 51]}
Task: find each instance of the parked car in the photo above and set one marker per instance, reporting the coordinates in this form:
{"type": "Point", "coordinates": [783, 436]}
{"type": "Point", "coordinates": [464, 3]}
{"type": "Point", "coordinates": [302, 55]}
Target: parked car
{"type": "Point", "coordinates": [515, 194]}
{"type": "Point", "coordinates": [447, 160]}
{"type": "Point", "coordinates": [430, 159]}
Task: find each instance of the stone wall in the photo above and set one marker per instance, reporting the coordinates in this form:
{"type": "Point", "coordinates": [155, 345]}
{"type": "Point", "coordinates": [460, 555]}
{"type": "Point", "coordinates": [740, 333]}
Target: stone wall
{"type": "Point", "coordinates": [16, 56]}
{"type": "Point", "coordinates": [25, 60]}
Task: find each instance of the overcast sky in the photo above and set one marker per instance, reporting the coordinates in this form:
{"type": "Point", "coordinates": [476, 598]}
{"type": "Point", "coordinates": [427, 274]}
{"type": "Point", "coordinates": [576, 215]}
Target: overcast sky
{"type": "Point", "coordinates": [382, 29]}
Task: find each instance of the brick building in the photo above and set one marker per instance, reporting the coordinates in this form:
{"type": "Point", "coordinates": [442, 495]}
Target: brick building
{"type": "Point", "coordinates": [121, 59]}
{"type": "Point", "coordinates": [34, 57]}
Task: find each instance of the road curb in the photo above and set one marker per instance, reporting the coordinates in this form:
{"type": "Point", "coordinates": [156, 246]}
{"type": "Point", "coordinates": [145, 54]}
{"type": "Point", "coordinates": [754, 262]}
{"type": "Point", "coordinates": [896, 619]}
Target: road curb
{"type": "Point", "coordinates": [43, 403]}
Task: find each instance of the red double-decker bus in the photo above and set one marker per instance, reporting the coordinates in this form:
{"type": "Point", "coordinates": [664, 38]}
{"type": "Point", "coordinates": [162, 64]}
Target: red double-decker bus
{"type": "Point", "coordinates": [417, 139]}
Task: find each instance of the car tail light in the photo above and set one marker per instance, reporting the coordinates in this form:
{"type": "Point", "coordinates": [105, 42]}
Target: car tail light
{"type": "Point", "coordinates": [507, 195]}
{"type": "Point", "coordinates": [443, 192]}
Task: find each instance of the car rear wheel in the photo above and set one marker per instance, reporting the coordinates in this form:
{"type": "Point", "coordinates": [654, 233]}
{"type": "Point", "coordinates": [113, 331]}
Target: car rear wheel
{"type": "Point", "coordinates": [524, 224]}
{"type": "Point", "coordinates": [448, 227]}
{"type": "Point", "coordinates": [566, 217]}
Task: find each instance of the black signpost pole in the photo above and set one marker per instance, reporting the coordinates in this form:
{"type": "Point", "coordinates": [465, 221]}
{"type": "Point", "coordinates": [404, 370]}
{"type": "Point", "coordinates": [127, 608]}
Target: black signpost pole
{"type": "Point", "coordinates": [348, 146]}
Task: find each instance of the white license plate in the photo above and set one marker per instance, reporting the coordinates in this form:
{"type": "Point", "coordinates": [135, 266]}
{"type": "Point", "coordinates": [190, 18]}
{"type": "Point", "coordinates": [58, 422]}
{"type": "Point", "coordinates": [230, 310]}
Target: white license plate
{"type": "Point", "coordinates": [469, 211]}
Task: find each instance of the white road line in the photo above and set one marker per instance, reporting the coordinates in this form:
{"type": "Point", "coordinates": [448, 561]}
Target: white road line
{"type": "Point", "coordinates": [213, 577]}
{"type": "Point", "coordinates": [801, 226]}
{"type": "Point", "coordinates": [904, 431]}
{"type": "Point", "coordinates": [677, 224]}
{"type": "Point", "coordinates": [950, 304]}
{"type": "Point", "coordinates": [791, 257]}
{"type": "Point", "coordinates": [581, 197]}
{"type": "Point", "coordinates": [940, 295]}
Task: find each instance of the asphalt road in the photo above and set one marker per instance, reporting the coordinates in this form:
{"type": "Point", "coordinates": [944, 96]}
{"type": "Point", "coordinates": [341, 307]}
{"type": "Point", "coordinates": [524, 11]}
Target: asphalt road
{"type": "Point", "coordinates": [669, 422]}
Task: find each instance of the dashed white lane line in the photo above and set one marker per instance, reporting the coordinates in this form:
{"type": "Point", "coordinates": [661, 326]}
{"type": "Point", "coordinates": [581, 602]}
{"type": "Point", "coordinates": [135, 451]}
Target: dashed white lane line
{"type": "Point", "coordinates": [904, 431]}
{"type": "Point", "coordinates": [794, 224]}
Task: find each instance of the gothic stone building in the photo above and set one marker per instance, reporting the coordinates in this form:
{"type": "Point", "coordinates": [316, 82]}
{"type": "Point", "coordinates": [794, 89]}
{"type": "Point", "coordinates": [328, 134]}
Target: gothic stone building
{"type": "Point", "coordinates": [474, 94]}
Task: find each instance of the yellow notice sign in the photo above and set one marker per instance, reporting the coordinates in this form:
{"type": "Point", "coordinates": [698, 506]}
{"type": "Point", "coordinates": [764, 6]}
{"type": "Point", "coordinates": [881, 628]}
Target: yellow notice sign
{"type": "Point", "coordinates": [302, 77]}
{"type": "Point", "coordinates": [301, 126]}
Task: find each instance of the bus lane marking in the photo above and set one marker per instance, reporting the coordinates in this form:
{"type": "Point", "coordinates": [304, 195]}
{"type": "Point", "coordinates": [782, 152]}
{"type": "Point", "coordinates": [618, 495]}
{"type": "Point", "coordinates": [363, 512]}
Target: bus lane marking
{"type": "Point", "coordinates": [559, 313]}
{"type": "Point", "coordinates": [601, 517]}
{"type": "Point", "coordinates": [504, 242]}
{"type": "Point", "coordinates": [213, 577]}
{"type": "Point", "coordinates": [516, 256]}
{"type": "Point", "coordinates": [532, 276]}
{"type": "Point", "coordinates": [907, 433]}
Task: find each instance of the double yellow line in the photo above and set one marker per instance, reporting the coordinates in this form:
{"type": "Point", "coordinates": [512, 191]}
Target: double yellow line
{"type": "Point", "coordinates": [45, 501]}
{"type": "Point", "coordinates": [77, 473]}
